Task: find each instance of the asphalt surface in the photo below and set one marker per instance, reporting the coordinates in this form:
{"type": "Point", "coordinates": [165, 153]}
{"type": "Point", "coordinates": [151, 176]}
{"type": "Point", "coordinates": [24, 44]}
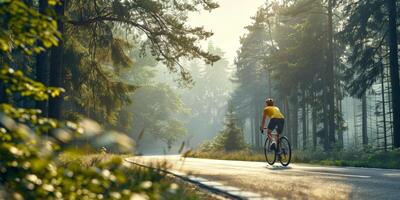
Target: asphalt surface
{"type": "Point", "coordinates": [298, 181]}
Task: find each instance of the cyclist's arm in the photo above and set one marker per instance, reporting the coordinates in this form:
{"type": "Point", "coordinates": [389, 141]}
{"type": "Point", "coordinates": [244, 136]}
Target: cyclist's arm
{"type": "Point", "coordinates": [263, 121]}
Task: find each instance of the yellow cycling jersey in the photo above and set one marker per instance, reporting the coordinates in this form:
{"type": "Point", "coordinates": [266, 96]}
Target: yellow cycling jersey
{"type": "Point", "coordinates": [273, 112]}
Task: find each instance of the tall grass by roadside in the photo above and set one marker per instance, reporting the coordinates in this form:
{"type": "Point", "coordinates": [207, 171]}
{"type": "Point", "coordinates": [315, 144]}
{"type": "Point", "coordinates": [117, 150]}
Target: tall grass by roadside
{"type": "Point", "coordinates": [390, 159]}
{"type": "Point", "coordinates": [146, 183]}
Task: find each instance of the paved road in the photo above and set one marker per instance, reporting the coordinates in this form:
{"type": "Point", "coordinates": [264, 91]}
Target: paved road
{"type": "Point", "coordinates": [298, 181]}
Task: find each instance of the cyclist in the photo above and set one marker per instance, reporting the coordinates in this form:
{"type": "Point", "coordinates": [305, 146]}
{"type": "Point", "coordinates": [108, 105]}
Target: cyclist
{"type": "Point", "coordinates": [277, 120]}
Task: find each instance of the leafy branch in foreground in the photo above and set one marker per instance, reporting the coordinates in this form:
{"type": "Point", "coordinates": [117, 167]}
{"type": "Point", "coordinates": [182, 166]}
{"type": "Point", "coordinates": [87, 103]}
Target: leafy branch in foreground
{"type": "Point", "coordinates": [15, 81]}
{"type": "Point", "coordinates": [29, 161]}
{"type": "Point", "coordinates": [22, 27]}
{"type": "Point", "coordinates": [31, 145]}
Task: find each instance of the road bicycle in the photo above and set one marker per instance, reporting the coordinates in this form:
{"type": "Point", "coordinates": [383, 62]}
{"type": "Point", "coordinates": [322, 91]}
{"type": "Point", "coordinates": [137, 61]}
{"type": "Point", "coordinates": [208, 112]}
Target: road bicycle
{"type": "Point", "coordinates": [282, 150]}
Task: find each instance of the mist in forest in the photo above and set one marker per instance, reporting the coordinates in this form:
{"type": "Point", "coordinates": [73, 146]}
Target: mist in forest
{"type": "Point", "coordinates": [185, 76]}
{"type": "Point", "coordinates": [198, 108]}
{"type": "Point", "coordinates": [207, 99]}
{"type": "Point", "coordinates": [282, 51]}
{"type": "Point", "coordinates": [87, 87]}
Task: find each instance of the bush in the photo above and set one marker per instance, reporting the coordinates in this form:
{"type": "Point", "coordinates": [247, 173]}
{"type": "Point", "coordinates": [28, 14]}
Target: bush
{"type": "Point", "coordinates": [231, 138]}
{"type": "Point", "coordinates": [134, 181]}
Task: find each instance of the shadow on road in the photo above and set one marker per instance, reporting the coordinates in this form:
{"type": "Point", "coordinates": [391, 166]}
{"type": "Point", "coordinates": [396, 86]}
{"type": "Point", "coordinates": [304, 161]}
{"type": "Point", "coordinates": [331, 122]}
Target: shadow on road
{"type": "Point", "coordinates": [273, 167]}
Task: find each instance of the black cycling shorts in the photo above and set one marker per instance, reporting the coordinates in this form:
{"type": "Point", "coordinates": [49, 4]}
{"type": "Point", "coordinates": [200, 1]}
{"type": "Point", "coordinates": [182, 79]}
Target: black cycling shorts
{"type": "Point", "coordinates": [276, 123]}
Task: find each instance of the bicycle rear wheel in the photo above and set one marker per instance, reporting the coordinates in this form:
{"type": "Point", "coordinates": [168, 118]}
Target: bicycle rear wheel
{"type": "Point", "coordinates": [270, 155]}
{"type": "Point", "coordinates": [285, 151]}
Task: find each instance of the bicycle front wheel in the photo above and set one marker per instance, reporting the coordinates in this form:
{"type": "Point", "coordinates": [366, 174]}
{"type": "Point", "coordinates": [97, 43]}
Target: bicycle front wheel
{"type": "Point", "coordinates": [285, 151]}
{"type": "Point", "coordinates": [270, 155]}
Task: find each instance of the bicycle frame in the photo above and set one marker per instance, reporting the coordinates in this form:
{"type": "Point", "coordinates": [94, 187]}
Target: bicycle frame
{"type": "Point", "coordinates": [269, 135]}
{"type": "Point", "coordinates": [278, 151]}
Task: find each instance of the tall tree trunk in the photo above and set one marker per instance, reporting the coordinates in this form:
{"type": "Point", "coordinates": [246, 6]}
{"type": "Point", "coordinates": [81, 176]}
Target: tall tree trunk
{"type": "Point", "coordinates": [260, 110]}
{"type": "Point", "coordinates": [355, 120]}
{"type": "Point", "coordinates": [56, 67]}
{"type": "Point", "coordinates": [295, 120]}
{"type": "Point", "coordinates": [339, 106]}
{"type": "Point", "coordinates": [325, 110]}
{"type": "Point", "coordinates": [269, 81]}
{"type": "Point", "coordinates": [383, 106]}
{"type": "Point", "coordinates": [341, 133]}
{"type": "Point", "coordinates": [304, 120]}
{"type": "Point", "coordinates": [3, 94]}
{"type": "Point", "coordinates": [256, 123]}
{"type": "Point", "coordinates": [394, 71]}
{"type": "Point", "coordinates": [364, 119]}
{"type": "Point", "coordinates": [314, 123]}
{"type": "Point", "coordinates": [330, 79]}
{"type": "Point", "coordinates": [252, 128]}
{"type": "Point", "coordinates": [42, 66]}
{"type": "Point", "coordinates": [288, 121]}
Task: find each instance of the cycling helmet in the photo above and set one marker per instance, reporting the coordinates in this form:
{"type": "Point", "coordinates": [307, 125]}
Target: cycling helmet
{"type": "Point", "coordinates": [269, 101]}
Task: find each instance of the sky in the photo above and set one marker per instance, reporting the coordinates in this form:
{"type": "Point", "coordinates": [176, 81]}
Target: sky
{"type": "Point", "coordinates": [227, 23]}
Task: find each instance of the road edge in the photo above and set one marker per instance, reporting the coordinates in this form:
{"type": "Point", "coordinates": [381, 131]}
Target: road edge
{"type": "Point", "coordinates": [221, 193]}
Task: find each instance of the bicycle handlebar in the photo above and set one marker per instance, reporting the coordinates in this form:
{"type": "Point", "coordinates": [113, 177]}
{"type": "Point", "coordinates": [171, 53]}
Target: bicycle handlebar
{"type": "Point", "coordinates": [262, 131]}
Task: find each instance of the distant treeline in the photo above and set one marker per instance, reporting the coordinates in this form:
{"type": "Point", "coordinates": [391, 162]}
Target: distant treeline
{"type": "Point", "coordinates": [315, 58]}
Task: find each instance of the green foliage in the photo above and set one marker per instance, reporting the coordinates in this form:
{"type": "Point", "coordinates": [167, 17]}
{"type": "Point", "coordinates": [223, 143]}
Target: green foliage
{"type": "Point", "coordinates": [170, 131]}
{"type": "Point", "coordinates": [230, 138]}
{"type": "Point", "coordinates": [251, 70]}
{"type": "Point", "coordinates": [374, 159]}
{"type": "Point", "coordinates": [22, 27]}
{"type": "Point", "coordinates": [207, 98]}
{"type": "Point", "coordinates": [17, 82]}
{"type": "Point", "coordinates": [163, 24]}
{"type": "Point", "coordinates": [31, 116]}
{"type": "Point", "coordinates": [133, 181]}
{"type": "Point", "coordinates": [31, 145]}
{"type": "Point", "coordinates": [156, 110]}
{"type": "Point", "coordinates": [93, 89]}
{"type": "Point", "coordinates": [211, 89]}
{"type": "Point", "coordinates": [284, 56]}
{"type": "Point", "coordinates": [100, 47]}
{"type": "Point", "coordinates": [365, 32]}
{"type": "Point", "coordinates": [29, 167]}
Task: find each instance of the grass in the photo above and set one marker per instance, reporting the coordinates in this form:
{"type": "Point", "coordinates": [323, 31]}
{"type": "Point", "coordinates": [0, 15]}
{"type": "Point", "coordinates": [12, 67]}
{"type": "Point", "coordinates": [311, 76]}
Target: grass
{"type": "Point", "coordinates": [388, 160]}
{"type": "Point", "coordinates": [149, 183]}
{"type": "Point", "coordinates": [87, 159]}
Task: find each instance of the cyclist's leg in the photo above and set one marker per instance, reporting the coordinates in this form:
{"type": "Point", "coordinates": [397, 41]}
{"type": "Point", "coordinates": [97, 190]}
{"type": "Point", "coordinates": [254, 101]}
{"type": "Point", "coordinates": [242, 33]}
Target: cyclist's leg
{"type": "Point", "coordinates": [271, 126]}
{"type": "Point", "coordinates": [279, 129]}
{"type": "Point", "coordinates": [279, 125]}
{"type": "Point", "coordinates": [269, 132]}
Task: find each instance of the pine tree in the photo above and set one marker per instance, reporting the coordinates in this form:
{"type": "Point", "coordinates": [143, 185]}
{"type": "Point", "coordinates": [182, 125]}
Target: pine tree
{"type": "Point", "coordinates": [394, 69]}
{"type": "Point", "coordinates": [95, 49]}
{"type": "Point", "coordinates": [330, 73]}
{"type": "Point", "coordinates": [299, 67]}
{"type": "Point", "coordinates": [231, 138]}
{"type": "Point", "coordinates": [251, 75]}
{"type": "Point", "coordinates": [370, 30]}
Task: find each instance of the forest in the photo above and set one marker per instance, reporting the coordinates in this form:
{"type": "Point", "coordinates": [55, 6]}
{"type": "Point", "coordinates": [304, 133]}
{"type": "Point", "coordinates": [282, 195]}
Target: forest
{"type": "Point", "coordinates": [332, 66]}
{"type": "Point", "coordinates": [82, 78]}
